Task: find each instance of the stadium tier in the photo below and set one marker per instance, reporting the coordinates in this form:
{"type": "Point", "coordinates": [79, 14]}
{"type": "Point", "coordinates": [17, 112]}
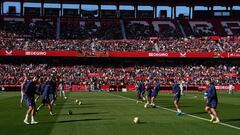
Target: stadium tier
{"type": "Point", "coordinates": [76, 28]}
{"type": "Point", "coordinates": [108, 36]}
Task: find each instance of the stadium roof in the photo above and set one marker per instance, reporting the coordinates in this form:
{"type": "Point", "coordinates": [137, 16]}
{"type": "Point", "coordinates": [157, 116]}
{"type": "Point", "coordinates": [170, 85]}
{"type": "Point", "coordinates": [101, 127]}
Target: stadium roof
{"type": "Point", "coordinates": [144, 2]}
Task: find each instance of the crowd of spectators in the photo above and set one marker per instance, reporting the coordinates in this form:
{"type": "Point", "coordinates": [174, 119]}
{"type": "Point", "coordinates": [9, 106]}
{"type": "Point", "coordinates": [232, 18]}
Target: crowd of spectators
{"type": "Point", "coordinates": [80, 74]}
{"type": "Point", "coordinates": [230, 44]}
{"type": "Point", "coordinates": [98, 37]}
{"type": "Point", "coordinates": [41, 35]}
{"type": "Point", "coordinates": [204, 44]}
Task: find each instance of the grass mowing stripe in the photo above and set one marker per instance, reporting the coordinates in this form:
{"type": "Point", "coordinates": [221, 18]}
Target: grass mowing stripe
{"type": "Point", "coordinates": [171, 110]}
{"type": "Point", "coordinates": [58, 117]}
{"type": "Point", "coordinates": [4, 95]}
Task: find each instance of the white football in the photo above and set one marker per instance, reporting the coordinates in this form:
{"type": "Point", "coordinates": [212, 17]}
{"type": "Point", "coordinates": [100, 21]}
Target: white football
{"type": "Point", "coordinates": [65, 97]}
{"type": "Point", "coordinates": [80, 103]}
{"type": "Point", "coordinates": [76, 101]}
{"type": "Point", "coordinates": [136, 120]}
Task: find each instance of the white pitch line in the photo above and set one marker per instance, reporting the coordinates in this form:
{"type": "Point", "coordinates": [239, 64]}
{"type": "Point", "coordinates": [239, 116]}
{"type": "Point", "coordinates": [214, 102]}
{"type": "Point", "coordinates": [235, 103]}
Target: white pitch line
{"type": "Point", "coordinates": [190, 115]}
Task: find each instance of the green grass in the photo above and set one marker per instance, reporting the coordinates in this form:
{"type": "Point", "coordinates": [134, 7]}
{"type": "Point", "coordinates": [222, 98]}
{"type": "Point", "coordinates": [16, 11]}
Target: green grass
{"type": "Point", "coordinates": [104, 113]}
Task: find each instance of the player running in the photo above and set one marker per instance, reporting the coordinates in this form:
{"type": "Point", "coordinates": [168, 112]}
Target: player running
{"type": "Point", "coordinates": [140, 91]}
{"type": "Point", "coordinates": [149, 88]}
{"type": "Point", "coordinates": [212, 101]}
{"type": "Point", "coordinates": [30, 91]}
{"type": "Point", "coordinates": [45, 97]}
{"type": "Point", "coordinates": [155, 91]}
{"type": "Point", "coordinates": [40, 89]}
{"type": "Point", "coordinates": [53, 91]}
{"type": "Point", "coordinates": [177, 94]}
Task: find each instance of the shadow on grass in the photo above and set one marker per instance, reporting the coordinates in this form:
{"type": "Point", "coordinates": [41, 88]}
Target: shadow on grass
{"type": "Point", "coordinates": [86, 113]}
{"type": "Point", "coordinates": [73, 121]}
{"type": "Point", "coordinates": [198, 113]}
{"type": "Point", "coordinates": [81, 106]}
{"type": "Point", "coordinates": [172, 106]}
{"type": "Point", "coordinates": [89, 113]}
{"type": "Point", "coordinates": [142, 122]}
{"type": "Point", "coordinates": [230, 120]}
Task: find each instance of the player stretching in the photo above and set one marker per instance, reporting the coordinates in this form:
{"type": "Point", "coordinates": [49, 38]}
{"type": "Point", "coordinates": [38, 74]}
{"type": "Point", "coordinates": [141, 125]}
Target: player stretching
{"type": "Point", "coordinates": [29, 93]}
{"type": "Point", "coordinates": [45, 97]}
{"type": "Point", "coordinates": [140, 90]}
{"type": "Point", "coordinates": [155, 91]}
{"type": "Point", "coordinates": [212, 101]}
{"type": "Point", "coordinates": [177, 94]}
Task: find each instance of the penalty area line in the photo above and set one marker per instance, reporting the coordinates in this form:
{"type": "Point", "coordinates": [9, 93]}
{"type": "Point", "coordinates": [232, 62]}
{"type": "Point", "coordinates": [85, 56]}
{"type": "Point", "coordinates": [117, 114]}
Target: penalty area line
{"type": "Point", "coordinates": [190, 115]}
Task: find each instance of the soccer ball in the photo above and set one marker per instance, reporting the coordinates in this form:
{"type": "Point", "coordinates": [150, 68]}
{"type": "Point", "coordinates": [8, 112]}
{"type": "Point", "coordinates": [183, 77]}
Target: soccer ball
{"type": "Point", "coordinates": [76, 101]}
{"type": "Point", "coordinates": [136, 120]}
{"type": "Point", "coordinates": [153, 105]}
{"type": "Point", "coordinates": [205, 96]}
{"type": "Point", "coordinates": [70, 112]}
{"type": "Point", "coordinates": [65, 98]}
{"type": "Point", "coordinates": [79, 103]}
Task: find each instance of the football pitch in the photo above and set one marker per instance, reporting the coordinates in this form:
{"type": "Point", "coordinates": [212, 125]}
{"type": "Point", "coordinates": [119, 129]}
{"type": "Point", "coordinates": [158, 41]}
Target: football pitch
{"type": "Point", "coordinates": [103, 113]}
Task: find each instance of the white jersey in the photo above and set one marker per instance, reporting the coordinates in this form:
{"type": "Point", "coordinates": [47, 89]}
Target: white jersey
{"type": "Point", "coordinates": [231, 89]}
{"type": "Point", "coordinates": [181, 86]}
{"type": "Point", "coordinates": [61, 87]}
